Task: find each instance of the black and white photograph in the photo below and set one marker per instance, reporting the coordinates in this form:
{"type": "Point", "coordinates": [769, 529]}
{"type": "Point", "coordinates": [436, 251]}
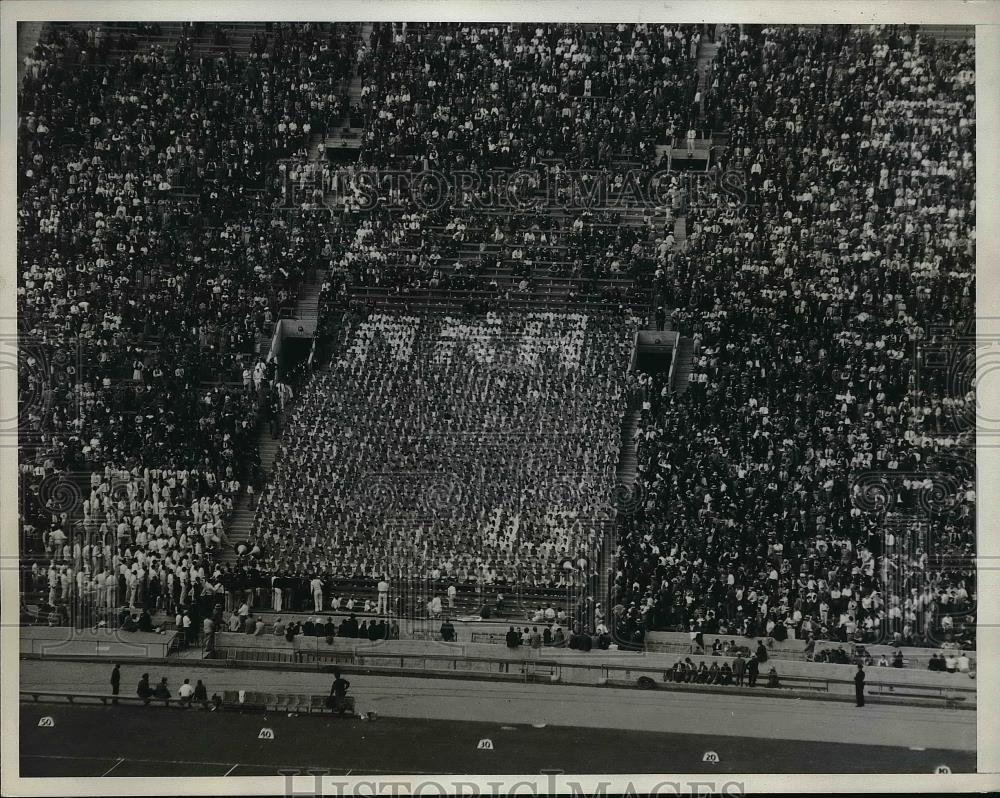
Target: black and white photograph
{"type": "Point", "coordinates": [591, 398]}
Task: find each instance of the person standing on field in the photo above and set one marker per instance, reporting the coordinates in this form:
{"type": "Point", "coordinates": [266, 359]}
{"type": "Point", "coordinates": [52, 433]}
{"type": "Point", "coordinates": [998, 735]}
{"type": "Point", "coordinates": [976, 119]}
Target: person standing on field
{"type": "Point", "coordinates": [116, 679]}
{"type": "Point", "coordinates": [739, 668]}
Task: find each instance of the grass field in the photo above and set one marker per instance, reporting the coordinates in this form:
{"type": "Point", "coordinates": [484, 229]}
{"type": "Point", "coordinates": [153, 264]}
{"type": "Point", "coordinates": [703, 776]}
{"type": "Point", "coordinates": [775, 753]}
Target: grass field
{"type": "Point", "coordinates": [136, 741]}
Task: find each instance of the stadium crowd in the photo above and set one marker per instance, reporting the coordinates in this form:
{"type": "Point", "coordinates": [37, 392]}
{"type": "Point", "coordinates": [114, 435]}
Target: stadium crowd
{"type": "Point", "coordinates": [811, 483]}
{"type": "Point", "coordinates": [499, 480]}
{"type": "Point", "coordinates": [151, 259]}
{"type": "Point", "coordinates": [559, 99]}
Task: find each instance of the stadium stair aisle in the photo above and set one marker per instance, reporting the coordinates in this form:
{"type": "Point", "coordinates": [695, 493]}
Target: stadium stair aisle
{"type": "Point", "coordinates": [627, 466]}
{"type": "Point", "coordinates": [28, 34]}
{"type": "Point", "coordinates": [706, 55]}
{"type": "Point", "coordinates": [307, 306]}
{"type": "Point", "coordinates": [680, 233]}
{"type": "Point", "coordinates": [682, 371]}
{"type": "Point", "coordinates": [628, 462]}
{"type": "Point", "coordinates": [604, 707]}
{"type": "Point", "coordinates": [242, 518]}
{"type": "Point", "coordinates": [345, 135]}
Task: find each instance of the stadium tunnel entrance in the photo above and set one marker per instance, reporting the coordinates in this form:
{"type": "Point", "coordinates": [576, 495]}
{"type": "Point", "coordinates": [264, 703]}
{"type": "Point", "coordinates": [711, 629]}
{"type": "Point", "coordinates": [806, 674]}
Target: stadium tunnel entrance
{"type": "Point", "coordinates": [655, 351]}
{"type": "Point", "coordinates": [295, 352]}
{"type": "Point", "coordinates": [291, 345]}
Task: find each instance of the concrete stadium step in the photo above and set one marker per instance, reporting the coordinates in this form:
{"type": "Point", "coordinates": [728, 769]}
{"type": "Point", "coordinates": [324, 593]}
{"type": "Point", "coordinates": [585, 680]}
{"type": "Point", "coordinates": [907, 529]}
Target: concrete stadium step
{"type": "Point", "coordinates": [307, 306]}
{"type": "Point", "coordinates": [627, 461]}
{"type": "Point", "coordinates": [953, 33]}
{"type": "Point", "coordinates": [706, 57]}
{"type": "Point", "coordinates": [628, 464]}
{"type": "Point", "coordinates": [28, 34]}
{"type": "Point", "coordinates": [241, 521]}
{"type": "Point", "coordinates": [352, 138]}
{"type": "Point", "coordinates": [680, 233]}
{"type": "Point", "coordinates": [683, 367]}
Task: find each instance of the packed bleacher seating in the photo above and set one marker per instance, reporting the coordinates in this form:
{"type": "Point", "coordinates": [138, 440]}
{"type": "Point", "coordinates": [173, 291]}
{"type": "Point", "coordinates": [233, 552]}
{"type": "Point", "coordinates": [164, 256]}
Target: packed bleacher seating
{"type": "Point", "coordinates": [560, 98]}
{"type": "Point", "coordinates": [811, 483]}
{"type": "Point", "coordinates": [588, 92]}
{"type": "Point", "coordinates": [500, 478]}
{"type": "Point", "coordinates": [149, 257]}
{"type": "Point", "coordinates": [146, 541]}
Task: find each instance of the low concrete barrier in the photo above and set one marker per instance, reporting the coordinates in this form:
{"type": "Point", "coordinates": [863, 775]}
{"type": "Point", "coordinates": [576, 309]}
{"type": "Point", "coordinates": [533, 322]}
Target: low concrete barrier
{"type": "Point", "coordinates": [61, 641]}
{"type": "Point", "coordinates": [414, 658]}
{"type": "Point", "coordinates": [243, 700]}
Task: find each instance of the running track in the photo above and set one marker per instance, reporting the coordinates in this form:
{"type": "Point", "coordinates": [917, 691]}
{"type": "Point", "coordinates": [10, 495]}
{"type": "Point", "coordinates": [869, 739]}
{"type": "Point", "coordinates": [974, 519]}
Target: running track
{"type": "Point", "coordinates": [433, 725]}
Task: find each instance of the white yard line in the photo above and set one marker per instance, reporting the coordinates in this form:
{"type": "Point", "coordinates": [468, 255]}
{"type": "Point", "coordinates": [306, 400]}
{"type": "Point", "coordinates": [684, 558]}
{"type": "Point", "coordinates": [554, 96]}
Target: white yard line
{"type": "Point", "coordinates": [116, 764]}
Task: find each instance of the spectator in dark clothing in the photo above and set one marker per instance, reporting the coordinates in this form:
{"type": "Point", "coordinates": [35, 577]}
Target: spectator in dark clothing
{"type": "Point", "coordinates": [753, 669]}
{"type": "Point", "coordinates": [772, 677]}
{"type": "Point", "coordinates": [340, 685]}
{"type": "Point", "coordinates": [338, 691]}
{"type": "Point", "coordinates": [144, 691]}
{"type": "Point", "coordinates": [859, 686]}
{"type": "Point", "coordinates": [447, 631]}
{"type": "Point", "coordinates": [739, 668]}
{"type": "Point", "coordinates": [161, 690]}
{"type": "Point", "coordinates": [897, 660]}
{"type": "Point", "coordinates": [200, 693]}
{"type": "Point", "coordinates": [513, 639]}
{"type": "Point", "coordinates": [761, 652]}
{"type": "Point", "coordinates": [116, 679]}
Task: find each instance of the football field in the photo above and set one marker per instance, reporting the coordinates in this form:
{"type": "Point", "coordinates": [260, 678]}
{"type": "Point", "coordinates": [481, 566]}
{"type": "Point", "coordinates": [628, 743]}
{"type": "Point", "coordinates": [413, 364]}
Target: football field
{"type": "Point", "coordinates": [86, 741]}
